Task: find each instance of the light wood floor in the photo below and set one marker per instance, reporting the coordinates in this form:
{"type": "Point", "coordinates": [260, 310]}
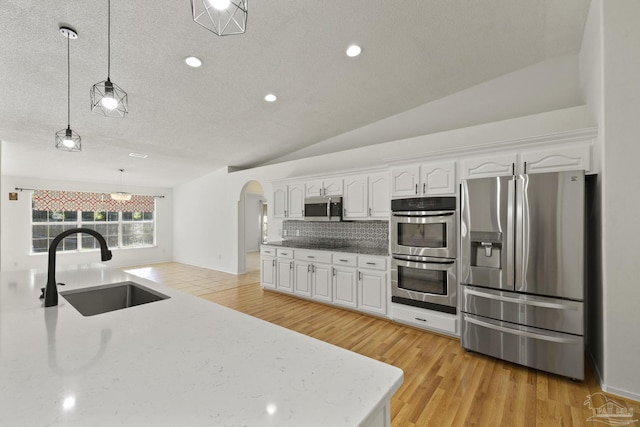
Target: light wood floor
{"type": "Point", "coordinates": [443, 385]}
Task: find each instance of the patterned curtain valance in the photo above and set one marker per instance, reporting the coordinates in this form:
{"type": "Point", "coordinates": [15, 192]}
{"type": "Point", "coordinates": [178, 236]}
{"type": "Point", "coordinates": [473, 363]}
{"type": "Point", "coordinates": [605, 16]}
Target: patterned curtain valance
{"type": "Point", "coordinates": [54, 200]}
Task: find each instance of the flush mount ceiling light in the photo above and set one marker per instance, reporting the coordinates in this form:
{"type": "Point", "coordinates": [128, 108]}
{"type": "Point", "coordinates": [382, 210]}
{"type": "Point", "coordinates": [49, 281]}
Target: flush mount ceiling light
{"type": "Point", "coordinates": [66, 139]}
{"type": "Point", "coordinates": [221, 17]}
{"type": "Point", "coordinates": [270, 97]}
{"type": "Point", "coordinates": [353, 50]}
{"type": "Point", "coordinates": [107, 98]}
{"type": "Point", "coordinates": [192, 61]}
{"type": "Point", "coordinates": [121, 196]}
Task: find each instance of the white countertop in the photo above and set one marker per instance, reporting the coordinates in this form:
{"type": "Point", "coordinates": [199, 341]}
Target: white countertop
{"type": "Point", "coordinates": [181, 361]}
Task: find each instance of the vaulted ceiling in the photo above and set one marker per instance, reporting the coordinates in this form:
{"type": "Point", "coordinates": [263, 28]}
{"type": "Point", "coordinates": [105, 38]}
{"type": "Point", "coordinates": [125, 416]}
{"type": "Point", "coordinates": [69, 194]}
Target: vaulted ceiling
{"type": "Point", "coordinates": [194, 120]}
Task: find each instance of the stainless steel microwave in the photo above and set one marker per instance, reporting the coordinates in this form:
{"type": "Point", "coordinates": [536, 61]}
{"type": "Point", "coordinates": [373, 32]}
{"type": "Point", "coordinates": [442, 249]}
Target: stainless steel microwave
{"type": "Point", "coordinates": [323, 209]}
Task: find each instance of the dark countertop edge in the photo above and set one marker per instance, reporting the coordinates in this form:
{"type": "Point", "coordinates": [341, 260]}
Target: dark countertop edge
{"type": "Point", "coordinates": [347, 249]}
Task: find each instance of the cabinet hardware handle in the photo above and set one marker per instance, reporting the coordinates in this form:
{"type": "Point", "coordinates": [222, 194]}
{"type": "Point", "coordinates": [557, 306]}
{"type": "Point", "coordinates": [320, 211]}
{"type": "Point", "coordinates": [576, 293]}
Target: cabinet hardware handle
{"type": "Point", "coordinates": [424, 188]}
{"type": "Point", "coordinates": [416, 188]}
{"type": "Point", "coordinates": [313, 268]}
{"type": "Point", "coordinates": [345, 212]}
{"type": "Point", "coordinates": [285, 213]}
{"type": "Point", "coordinates": [333, 271]}
{"type": "Point", "coordinates": [360, 275]}
{"type": "Point", "coordinates": [308, 268]}
{"type": "Point", "coordinates": [291, 265]}
{"type": "Point", "coordinates": [369, 211]}
{"type": "Point", "coordinates": [525, 167]}
{"type": "Point", "coordinates": [513, 168]}
{"type": "Point", "coordinates": [422, 320]}
{"type": "Point", "coordinates": [274, 262]}
{"type": "Point", "coordinates": [343, 260]}
{"type": "Point", "coordinates": [310, 256]}
{"type": "Point", "coordinates": [371, 263]}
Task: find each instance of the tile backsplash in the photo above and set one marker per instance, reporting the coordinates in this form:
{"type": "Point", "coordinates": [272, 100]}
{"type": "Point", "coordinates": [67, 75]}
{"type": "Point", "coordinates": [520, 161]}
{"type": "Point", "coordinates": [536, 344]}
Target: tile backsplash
{"type": "Point", "coordinates": [374, 233]}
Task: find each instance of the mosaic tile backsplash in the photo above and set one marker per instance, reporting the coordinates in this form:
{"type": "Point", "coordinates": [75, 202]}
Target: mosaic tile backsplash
{"type": "Point", "coordinates": [369, 233]}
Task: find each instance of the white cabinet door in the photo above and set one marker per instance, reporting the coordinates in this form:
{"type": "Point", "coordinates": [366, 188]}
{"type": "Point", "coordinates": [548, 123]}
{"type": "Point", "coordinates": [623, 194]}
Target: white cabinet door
{"type": "Point", "coordinates": [322, 282]}
{"type": "Point", "coordinates": [345, 286]}
{"type": "Point", "coordinates": [296, 201]}
{"type": "Point", "coordinates": [438, 178]}
{"type": "Point", "coordinates": [557, 160]}
{"type": "Point", "coordinates": [302, 278]}
{"type": "Point", "coordinates": [314, 188]}
{"type": "Point", "coordinates": [280, 201]}
{"type": "Point", "coordinates": [484, 167]}
{"type": "Point", "coordinates": [372, 291]}
{"type": "Point", "coordinates": [405, 181]}
{"type": "Point", "coordinates": [268, 272]}
{"type": "Point", "coordinates": [379, 199]}
{"type": "Point", "coordinates": [284, 274]}
{"type": "Point", "coordinates": [332, 187]}
{"type": "Point", "coordinates": [355, 203]}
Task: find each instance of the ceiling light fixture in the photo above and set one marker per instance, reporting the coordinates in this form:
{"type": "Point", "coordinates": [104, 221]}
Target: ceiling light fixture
{"type": "Point", "coordinates": [138, 155]}
{"type": "Point", "coordinates": [192, 61]}
{"type": "Point", "coordinates": [270, 97]}
{"type": "Point", "coordinates": [66, 139]}
{"type": "Point", "coordinates": [353, 50]}
{"type": "Point", "coordinates": [221, 17]}
{"type": "Point", "coordinates": [121, 196]}
{"type": "Point", "coordinates": [107, 98]}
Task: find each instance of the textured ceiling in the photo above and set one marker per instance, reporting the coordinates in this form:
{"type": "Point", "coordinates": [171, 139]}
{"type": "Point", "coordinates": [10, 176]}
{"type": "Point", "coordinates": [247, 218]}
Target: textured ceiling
{"type": "Point", "coordinates": [192, 121]}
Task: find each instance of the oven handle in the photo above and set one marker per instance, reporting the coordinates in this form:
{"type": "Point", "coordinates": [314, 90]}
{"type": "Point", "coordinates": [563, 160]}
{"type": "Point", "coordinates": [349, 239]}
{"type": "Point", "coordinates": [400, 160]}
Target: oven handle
{"type": "Point", "coordinates": [422, 259]}
{"type": "Point", "coordinates": [422, 213]}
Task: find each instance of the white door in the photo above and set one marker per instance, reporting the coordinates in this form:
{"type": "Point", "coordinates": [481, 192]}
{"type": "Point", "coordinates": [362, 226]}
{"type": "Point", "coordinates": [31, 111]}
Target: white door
{"type": "Point", "coordinates": [405, 181]}
{"type": "Point", "coordinates": [372, 295]}
{"type": "Point", "coordinates": [268, 272]}
{"type": "Point", "coordinates": [280, 201]}
{"type": "Point", "coordinates": [345, 286]}
{"type": "Point", "coordinates": [355, 201]}
{"type": "Point", "coordinates": [284, 274]}
{"type": "Point", "coordinates": [438, 178]}
{"type": "Point", "coordinates": [322, 282]}
{"type": "Point", "coordinates": [302, 278]}
{"type": "Point", "coordinates": [379, 200]}
{"type": "Point", "coordinates": [296, 201]}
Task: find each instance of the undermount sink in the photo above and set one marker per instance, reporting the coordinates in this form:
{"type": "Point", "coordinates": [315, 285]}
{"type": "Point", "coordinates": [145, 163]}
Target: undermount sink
{"type": "Point", "coordinates": [111, 297]}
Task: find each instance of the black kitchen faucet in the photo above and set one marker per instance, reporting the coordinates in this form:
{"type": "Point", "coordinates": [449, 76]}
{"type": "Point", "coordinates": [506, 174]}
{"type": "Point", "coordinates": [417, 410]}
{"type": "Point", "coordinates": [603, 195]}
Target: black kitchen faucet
{"type": "Point", "coordinates": [51, 291]}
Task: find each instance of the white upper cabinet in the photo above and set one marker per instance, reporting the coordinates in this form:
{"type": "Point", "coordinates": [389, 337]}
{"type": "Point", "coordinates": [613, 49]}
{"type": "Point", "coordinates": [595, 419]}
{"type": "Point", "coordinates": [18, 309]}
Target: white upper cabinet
{"type": "Point", "coordinates": [405, 181]}
{"type": "Point", "coordinates": [427, 179]}
{"type": "Point", "coordinates": [366, 196]}
{"type": "Point", "coordinates": [488, 166]}
{"type": "Point", "coordinates": [288, 201]}
{"type": "Point", "coordinates": [438, 178]}
{"type": "Point", "coordinates": [557, 160]}
{"type": "Point", "coordinates": [356, 197]}
{"type": "Point", "coordinates": [327, 187]}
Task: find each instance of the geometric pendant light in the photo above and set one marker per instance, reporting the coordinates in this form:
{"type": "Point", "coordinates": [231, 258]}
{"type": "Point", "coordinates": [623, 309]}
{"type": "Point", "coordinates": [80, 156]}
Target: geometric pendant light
{"type": "Point", "coordinates": [66, 139]}
{"type": "Point", "coordinates": [221, 17]}
{"type": "Point", "coordinates": [107, 98]}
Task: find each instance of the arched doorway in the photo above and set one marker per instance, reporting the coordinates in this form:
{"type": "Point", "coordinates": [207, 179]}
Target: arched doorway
{"type": "Point", "coordinates": [252, 217]}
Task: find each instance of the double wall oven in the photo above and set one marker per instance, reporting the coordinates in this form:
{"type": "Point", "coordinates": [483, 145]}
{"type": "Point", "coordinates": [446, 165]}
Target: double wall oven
{"type": "Point", "coordinates": [424, 249]}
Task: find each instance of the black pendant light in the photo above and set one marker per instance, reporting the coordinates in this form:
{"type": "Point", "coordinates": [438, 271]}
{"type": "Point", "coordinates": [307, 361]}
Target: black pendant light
{"type": "Point", "coordinates": [107, 98]}
{"type": "Point", "coordinates": [221, 17]}
{"type": "Point", "coordinates": [67, 139]}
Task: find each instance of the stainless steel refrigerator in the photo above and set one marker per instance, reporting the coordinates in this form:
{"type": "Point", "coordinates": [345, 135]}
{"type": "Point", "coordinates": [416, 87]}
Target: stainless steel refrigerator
{"type": "Point", "coordinates": [522, 282]}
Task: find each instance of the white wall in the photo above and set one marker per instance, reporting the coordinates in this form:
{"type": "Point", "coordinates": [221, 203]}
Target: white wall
{"type": "Point", "coordinates": [15, 223]}
{"type": "Point", "coordinates": [620, 202]}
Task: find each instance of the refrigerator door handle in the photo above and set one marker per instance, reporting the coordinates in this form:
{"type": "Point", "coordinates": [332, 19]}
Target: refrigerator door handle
{"type": "Point", "coordinates": [522, 232]}
{"type": "Point", "coordinates": [543, 304]}
{"type": "Point", "coordinates": [533, 335]}
{"type": "Point", "coordinates": [510, 232]}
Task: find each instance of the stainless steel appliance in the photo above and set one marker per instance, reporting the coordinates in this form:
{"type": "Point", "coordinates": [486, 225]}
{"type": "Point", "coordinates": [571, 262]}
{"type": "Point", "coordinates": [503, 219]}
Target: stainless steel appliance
{"type": "Point", "coordinates": [423, 247]}
{"type": "Point", "coordinates": [522, 250]}
{"type": "Point", "coordinates": [323, 208]}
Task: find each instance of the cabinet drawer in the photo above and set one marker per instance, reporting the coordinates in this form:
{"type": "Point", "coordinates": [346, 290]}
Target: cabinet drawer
{"type": "Point", "coordinates": [284, 253]}
{"type": "Point", "coordinates": [267, 250]}
{"type": "Point", "coordinates": [313, 256]}
{"type": "Point", "coordinates": [372, 263]}
{"type": "Point", "coordinates": [425, 319]}
{"type": "Point", "coordinates": [341, 258]}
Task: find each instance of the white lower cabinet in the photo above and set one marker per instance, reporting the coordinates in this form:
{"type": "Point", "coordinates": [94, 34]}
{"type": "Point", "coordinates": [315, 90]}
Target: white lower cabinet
{"type": "Point", "coordinates": [353, 281]}
{"type": "Point", "coordinates": [372, 291]}
{"type": "Point", "coordinates": [426, 319]}
{"type": "Point", "coordinates": [345, 286]}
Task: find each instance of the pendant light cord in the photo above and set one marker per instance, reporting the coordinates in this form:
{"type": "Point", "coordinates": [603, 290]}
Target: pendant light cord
{"type": "Point", "coordinates": [68, 83]}
{"type": "Point", "coordinates": [109, 39]}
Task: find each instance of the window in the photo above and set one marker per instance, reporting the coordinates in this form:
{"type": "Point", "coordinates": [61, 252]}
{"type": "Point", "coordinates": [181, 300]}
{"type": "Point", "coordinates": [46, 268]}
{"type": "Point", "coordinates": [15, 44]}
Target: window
{"type": "Point", "coordinates": [123, 224]}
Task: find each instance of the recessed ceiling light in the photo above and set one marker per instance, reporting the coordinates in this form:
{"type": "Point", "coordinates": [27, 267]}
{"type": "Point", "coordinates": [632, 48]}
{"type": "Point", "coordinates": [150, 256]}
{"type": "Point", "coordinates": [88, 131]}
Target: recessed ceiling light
{"type": "Point", "coordinates": [270, 97]}
{"type": "Point", "coordinates": [192, 61]}
{"type": "Point", "coordinates": [138, 155]}
{"type": "Point", "coordinates": [353, 50]}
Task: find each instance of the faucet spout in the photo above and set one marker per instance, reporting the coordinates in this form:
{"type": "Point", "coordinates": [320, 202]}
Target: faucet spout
{"type": "Point", "coordinates": [51, 290]}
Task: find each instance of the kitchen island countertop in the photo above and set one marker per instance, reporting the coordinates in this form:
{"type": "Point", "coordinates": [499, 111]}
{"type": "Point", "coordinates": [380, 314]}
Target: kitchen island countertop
{"type": "Point", "coordinates": [179, 361]}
